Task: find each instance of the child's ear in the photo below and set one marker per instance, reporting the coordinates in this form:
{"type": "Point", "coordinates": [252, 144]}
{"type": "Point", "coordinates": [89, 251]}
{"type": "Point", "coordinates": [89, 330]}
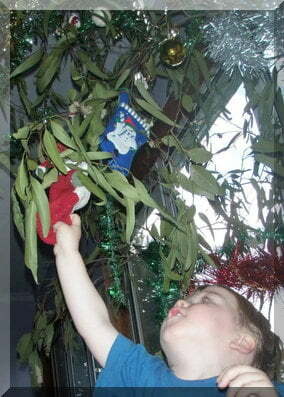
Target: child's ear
{"type": "Point", "coordinates": [243, 343]}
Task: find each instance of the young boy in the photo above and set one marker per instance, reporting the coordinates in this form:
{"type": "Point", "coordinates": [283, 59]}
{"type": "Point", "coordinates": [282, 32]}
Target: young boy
{"type": "Point", "coordinates": [214, 338]}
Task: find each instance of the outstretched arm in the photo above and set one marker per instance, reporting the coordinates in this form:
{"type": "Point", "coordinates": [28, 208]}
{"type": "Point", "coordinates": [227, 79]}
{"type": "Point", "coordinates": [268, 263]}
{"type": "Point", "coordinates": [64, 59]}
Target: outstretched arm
{"type": "Point", "coordinates": [85, 305]}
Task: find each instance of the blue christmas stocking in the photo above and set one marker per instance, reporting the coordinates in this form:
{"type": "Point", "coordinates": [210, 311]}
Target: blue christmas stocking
{"type": "Point", "coordinates": [124, 134]}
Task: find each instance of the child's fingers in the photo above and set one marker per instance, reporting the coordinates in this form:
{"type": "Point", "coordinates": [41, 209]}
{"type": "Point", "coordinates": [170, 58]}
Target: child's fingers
{"type": "Point", "coordinates": [247, 379]}
{"type": "Point", "coordinates": [226, 377]}
{"type": "Point", "coordinates": [58, 225]}
{"type": "Point", "coordinates": [76, 220]}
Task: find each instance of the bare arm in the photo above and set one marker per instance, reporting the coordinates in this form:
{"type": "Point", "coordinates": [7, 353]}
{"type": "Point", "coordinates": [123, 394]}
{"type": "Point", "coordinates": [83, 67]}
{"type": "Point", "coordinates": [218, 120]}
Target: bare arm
{"type": "Point", "coordinates": [85, 305]}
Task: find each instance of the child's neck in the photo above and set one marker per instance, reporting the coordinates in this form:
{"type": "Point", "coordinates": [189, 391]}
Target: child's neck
{"type": "Point", "coordinates": [193, 366]}
{"type": "Point", "coordinates": [192, 372]}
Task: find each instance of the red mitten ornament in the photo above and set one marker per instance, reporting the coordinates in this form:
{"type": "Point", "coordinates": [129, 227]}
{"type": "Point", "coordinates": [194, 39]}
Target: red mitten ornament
{"type": "Point", "coordinates": [65, 197]}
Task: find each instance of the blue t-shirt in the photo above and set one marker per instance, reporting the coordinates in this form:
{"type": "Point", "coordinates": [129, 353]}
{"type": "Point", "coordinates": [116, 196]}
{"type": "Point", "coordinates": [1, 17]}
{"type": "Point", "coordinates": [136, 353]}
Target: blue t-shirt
{"type": "Point", "coordinates": [129, 365]}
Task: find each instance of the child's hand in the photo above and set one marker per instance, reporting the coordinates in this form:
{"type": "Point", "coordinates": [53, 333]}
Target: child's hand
{"type": "Point", "coordinates": [246, 381]}
{"type": "Point", "coordinates": [67, 236]}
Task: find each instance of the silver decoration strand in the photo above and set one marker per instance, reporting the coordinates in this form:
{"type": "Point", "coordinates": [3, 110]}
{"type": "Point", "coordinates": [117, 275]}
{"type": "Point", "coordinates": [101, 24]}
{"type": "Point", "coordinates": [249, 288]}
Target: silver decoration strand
{"type": "Point", "coordinates": [244, 40]}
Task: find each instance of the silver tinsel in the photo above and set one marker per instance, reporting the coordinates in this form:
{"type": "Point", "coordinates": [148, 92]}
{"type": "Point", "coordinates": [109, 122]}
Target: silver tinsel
{"type": "Point", "coordinates": [243, 39]}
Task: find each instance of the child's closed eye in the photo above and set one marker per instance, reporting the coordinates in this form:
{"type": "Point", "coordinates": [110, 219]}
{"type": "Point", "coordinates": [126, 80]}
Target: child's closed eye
{"type": "Point", "coordinates": [205, 299]}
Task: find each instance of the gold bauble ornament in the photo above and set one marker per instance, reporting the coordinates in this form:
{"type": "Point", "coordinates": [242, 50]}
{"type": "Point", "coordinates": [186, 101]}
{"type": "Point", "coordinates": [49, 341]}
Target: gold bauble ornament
{"type": "Point", "coordinates": [172, 52]}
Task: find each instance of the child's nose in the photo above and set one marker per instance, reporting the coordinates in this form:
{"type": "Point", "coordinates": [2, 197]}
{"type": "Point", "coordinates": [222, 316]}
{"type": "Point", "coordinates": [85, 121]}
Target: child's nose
{"type": "Point", "coordinates": [181, 303]}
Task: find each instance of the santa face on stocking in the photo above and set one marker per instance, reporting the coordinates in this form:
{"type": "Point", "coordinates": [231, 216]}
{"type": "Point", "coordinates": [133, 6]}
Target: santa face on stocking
{"type": "Point", "coordinates": [124, 134]}
{"type": "Point", "coordinates": [123, 138]}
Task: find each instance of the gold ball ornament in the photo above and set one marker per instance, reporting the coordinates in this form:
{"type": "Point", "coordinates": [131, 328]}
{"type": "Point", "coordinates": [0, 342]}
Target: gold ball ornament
{"type": "Point", "coordinates": [172, 52]}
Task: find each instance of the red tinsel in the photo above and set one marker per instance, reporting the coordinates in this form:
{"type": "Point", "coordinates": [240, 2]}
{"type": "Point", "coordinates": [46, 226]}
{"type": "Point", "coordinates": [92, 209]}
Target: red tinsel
{"type": "Point", "coordinates": [259, 274]}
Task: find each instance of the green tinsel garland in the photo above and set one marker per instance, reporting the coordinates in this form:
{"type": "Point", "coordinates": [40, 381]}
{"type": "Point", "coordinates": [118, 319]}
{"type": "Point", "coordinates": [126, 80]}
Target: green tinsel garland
{"type": "Point", "coordinates": [152, 258]}
{"type": "Point", "coordinates": [110, 244]}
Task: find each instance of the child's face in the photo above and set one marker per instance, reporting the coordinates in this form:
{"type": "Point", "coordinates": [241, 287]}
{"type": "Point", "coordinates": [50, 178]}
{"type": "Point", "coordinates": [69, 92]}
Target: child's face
{"type": "Point", "coordinates": [208, 317]}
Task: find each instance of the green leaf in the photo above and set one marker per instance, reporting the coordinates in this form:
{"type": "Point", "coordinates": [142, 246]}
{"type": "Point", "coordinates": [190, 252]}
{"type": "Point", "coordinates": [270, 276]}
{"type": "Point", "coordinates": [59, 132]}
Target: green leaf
{"type": "Point", "coordinates": [59, 99]}
{"type": "Point", "coordinates": [32, 165]}
{"type": "Point", "coordinates": [166, 228]}
{"type": "Point", "coordinates": [91, 66]}
{"type": "Point", "coordinates": [36, 369]}
{"type": "Point", "coordinates": [270, 162]}
{"type": "Point", "coordinates": [61, 135]}
{"type": "Point", "coordinates": [154, 232]}
{"type": "Point", "coordinates": [72, 94]}
{"type": "Point", "coordinates": [18, 217]}
{"type": "Point", "coordinates": [206, 220]}
{"type": "Point", "coordinates": [143, 194]}
{"type": "Point", "coordinates": [199, 155]}
{"type": "Point", "coordinates": [84, 125]}
{"type": "Point", "coordinates": [28, 63]}
{"type": "Point", "coordinates": [44, 79]}
{"type": "Point", "coordinates": [41, 200]}
{"type": "Point", "coordinates": [174, 276]}
{"type": "Point", "coordinates": [155, 112]}
{"type": "Point", "coordinates": [49, 178]}
{"type": "Point", "coordinates": [52, 151]}
{"type": "Point", "coordinates": [201, 62]}
{"type": "Point", "coordinates": [39, 100]}
{"type": "Point", "coordinates": [46, 16]}
{"type": "Point", "coordinates": [179, 179]}
{"type": "Point", "coordinates": [151, 67]}
{"type": "Point", "coordinates": [22, 182]}
{"type": "Point", "coordinates": [204, 179]}
{"type": "Point", "coordinates": [99, 155]}
{"type": "Point", "coordinates": [49, 334]}
{"type": "Point", "coordinates": [190, 213]}
{"type": "Point", "coordinates": [145, 94]}
{"type": "Point", "coordinates": [207, 258]}
{"type": "Point", "coordinates": [22, 133]}
{"type": "Point", "coordinates": [187, 103]}
{"type": "Point", "coordinates": [41, 322]}
{"type": "Point", "coordinates": [122, 78]}
{"type": "Point", "coordinates": [130, 218]}
{"type": "Point", "coordinates": [264, 146]}
{"type": "Point", "coordinates": [92, 187]}
{"type": "Point", "coordinates": [101, 92]}
{"type": "Point", "coordinates": [99, 178]}
{"type": "Point", "coordinates": [147, 200]}
{"type": "Point", "coordinates": [31, 239]}
{"type": "Point", "coordinates": [171, 141]}
{"type": "Point", "coordinates": [24, 97]}
{"type": "Point", "coordinates": [193, 74]}
{"type": "Point", "coordinates": [261, 198]}
{"type": "Point", "coordinates": [118, 181]}
{"type": "Point", "coordinates": [25, 347]}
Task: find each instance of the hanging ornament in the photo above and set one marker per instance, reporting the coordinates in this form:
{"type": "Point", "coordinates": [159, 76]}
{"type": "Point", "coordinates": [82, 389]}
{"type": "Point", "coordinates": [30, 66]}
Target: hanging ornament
{"type": "Point", "coordinates": [124, 134]}
{"type": "Point", "coordinates": [238, 40]}
{"type": "Point", "coordinates": [65, 196]}
{"type": "Point", "coordinates": [101, 17]}
{"type": "Point", "coordinates": [74, 20]}
{"type": "Point", "coordinates": [172, 52]}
